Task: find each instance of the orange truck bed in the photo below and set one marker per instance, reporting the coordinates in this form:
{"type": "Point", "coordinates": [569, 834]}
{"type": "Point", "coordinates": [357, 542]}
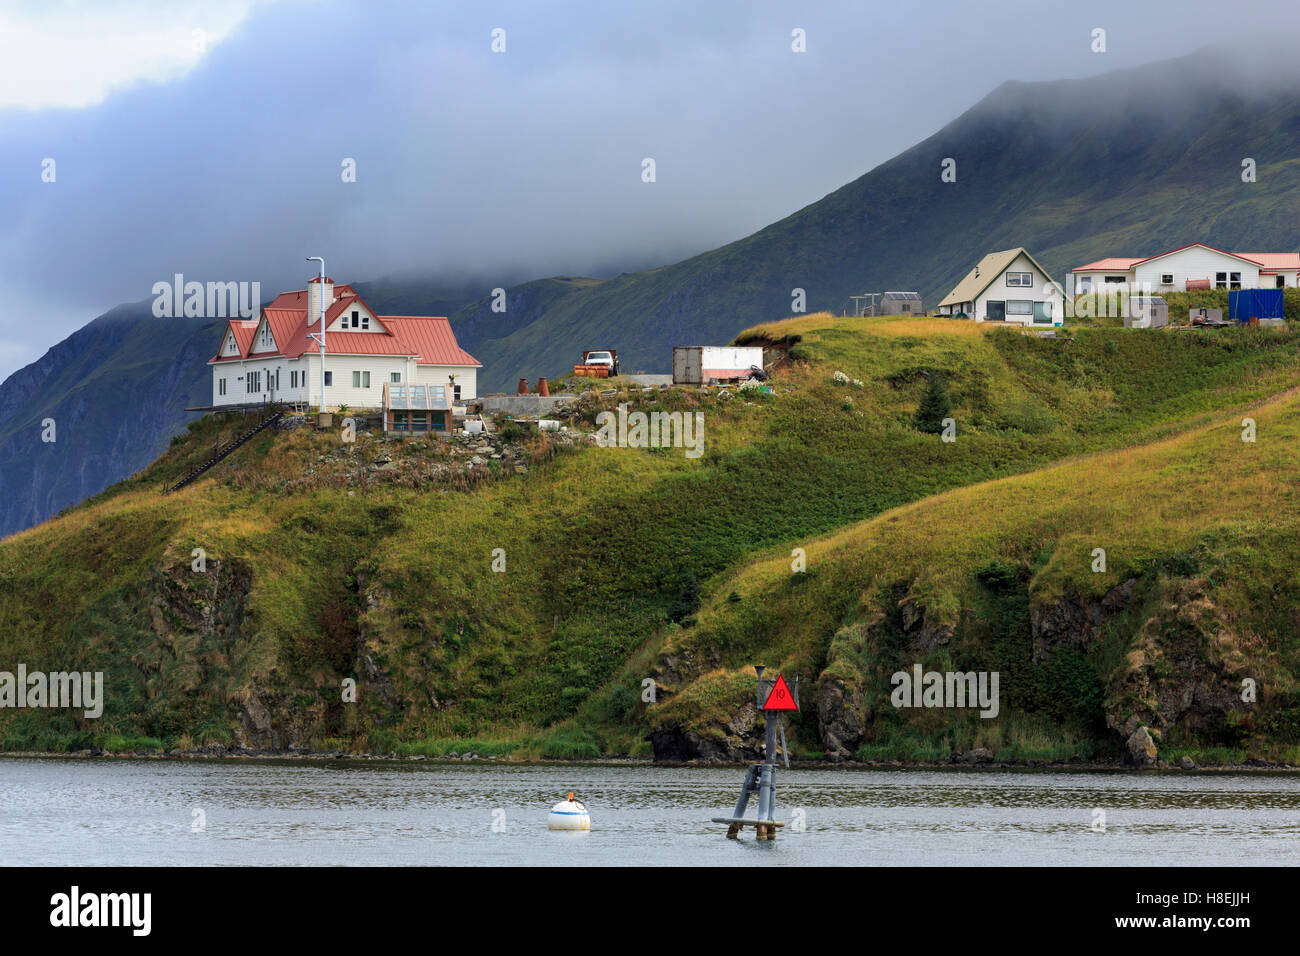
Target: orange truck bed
{"type": "Point", "coordinates": [596, 371]}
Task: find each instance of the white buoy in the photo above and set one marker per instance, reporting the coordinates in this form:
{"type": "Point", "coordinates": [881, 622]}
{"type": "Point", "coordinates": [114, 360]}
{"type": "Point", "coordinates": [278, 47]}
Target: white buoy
{"type": "Point", "coordinates": [569, 814]}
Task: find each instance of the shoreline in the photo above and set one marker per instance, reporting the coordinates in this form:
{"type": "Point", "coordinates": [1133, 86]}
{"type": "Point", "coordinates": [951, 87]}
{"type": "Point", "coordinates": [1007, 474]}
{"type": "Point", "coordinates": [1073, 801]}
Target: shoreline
{"type": "Point", "coordinates": [326, 757]}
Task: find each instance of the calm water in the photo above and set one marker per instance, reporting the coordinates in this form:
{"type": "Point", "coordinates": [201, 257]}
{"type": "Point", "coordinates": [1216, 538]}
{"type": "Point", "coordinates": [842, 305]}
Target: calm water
{"type": "Point", "coordinates": [141, 812]}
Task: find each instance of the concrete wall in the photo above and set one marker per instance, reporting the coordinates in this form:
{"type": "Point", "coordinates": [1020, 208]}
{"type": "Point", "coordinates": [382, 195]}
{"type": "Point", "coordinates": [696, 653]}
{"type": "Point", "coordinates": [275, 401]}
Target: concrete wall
{"type": "Point", "coordinates": [523, 404]}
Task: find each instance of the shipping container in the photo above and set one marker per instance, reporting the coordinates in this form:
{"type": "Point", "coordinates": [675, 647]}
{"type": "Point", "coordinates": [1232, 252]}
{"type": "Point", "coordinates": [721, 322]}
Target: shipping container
{"type": "Point", "coordinates": [702, 364]}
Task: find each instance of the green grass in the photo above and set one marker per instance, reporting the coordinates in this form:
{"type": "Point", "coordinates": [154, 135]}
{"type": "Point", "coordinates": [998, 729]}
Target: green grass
{"type": "Point", "coordinates": [614, 556]}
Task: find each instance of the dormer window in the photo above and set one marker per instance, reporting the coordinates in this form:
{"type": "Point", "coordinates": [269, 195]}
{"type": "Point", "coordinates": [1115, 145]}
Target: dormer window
{"type": "Point", "coordinates": [360, 321]}
{"type": "Point", "coordinates": [264, 339]}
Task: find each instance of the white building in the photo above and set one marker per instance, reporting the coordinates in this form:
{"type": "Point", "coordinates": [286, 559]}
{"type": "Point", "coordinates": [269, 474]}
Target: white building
{"type": "Point", "coordinates": [1195, 266]}
{"type": "Point", "coordinates": [274, 359]}
{"type": "Point", "coordinates": [1008, 286]}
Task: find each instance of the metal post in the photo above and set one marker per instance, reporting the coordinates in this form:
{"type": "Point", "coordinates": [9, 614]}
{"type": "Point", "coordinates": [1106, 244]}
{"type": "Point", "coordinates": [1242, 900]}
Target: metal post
{"type": "Point", "coordinates": [767, 783]}
{"type": "Point", "coordinates": [760, 778]}
{"type": "Point", "coordinates": [322, 328]}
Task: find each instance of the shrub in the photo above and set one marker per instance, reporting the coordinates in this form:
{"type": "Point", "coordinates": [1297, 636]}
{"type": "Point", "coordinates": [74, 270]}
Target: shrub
{"type": "Point", "coordinates": [935, 406]}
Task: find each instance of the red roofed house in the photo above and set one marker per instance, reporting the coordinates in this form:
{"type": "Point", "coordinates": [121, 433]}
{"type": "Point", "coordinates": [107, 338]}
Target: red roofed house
{"type": "Point", "coordinates": [1195, 266]}
{"type": "Point", "coordinates": [271, 358]}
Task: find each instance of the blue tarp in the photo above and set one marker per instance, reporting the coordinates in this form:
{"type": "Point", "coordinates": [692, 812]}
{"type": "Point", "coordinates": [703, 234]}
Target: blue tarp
{"type": "Point", "coordinates": [1247, 304]}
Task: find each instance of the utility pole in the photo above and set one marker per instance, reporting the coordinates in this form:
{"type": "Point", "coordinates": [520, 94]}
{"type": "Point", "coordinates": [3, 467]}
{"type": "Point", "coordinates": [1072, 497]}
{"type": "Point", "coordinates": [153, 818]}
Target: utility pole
{"type": "Point", "coordinates": [866, 295]}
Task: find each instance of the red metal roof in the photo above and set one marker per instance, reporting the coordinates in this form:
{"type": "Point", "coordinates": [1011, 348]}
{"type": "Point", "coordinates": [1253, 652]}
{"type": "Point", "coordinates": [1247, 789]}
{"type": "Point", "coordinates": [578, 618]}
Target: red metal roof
{"type": "Point", "coordinates": [243, 329]}
{"type": "Point", "coordinates": [1271, 261]}
{"type": "Point", "coordinates": [1274, 261]}
{"type": "Point", "coordinates": [1108, 265]}
{"type": "Point", "coordinates": [431, 338]}
{"type": "Point", "coordinates": [428, 338]}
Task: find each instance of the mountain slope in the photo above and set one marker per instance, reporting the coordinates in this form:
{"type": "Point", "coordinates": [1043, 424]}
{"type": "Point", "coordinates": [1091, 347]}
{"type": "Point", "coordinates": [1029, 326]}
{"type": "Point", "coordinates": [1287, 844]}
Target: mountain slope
{"type": "Point", "coordinates": [1129, 163]}
{"type": "Point", "coordinates": [117, 390]}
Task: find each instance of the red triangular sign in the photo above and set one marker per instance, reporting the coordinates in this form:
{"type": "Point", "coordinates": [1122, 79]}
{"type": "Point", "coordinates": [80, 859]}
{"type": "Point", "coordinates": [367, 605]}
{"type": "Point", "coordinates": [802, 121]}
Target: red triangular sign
{"type": "Point", "coordinates": [780, 698]}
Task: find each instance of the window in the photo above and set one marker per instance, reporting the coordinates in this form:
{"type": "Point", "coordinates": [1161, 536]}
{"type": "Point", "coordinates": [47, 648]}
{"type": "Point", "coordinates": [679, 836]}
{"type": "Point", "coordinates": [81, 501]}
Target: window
{"type": "Point", "coordinates": [995, 311]}
{"type": "Point", "coordinates": [1043, 313]}
{"type": "Point", "coordinates": [221, 386]}
{"type": "Point", "coordinates": [329, 379]}
{"type": "Point", "coordinates": [1234, 280]}
{"type": "Point", "coordinates": [359, 321]}
{"type": "Point", "coordinates": [264, 339]}
{"type": "Point", "coordinates": [1116, 280]}
{"type": "Point", "coordinates": [365, 322]}
{"type": "Point", "coordinates": [254, 382]}
{"type": "Point", "coordinates": [1085, 284]}
{"type": "Point", "coordinates": [395, 377]}
{"type": "Point", "coordinates": [1020, 307]}
{"type": "Point", "coordinates": [1221, 280]}
{"type": "Point", "coordinates": [356, 319]}
{"type": "Point", "coordinates": [1281, 282]}
{"type": "Point", "coordinates": [1020, 279]}
{"type": "Point", "coordinates": [1166, 278]}
{"type": "Point", "coordinates": [360, 379]}
{"type": "Point", "coordinates": [455, 393]}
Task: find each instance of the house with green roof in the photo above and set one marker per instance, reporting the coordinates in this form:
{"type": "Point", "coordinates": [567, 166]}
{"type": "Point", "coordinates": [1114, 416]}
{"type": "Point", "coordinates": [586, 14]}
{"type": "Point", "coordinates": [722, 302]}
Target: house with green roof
{"type": "Point", "coordinates": [1008, 286]}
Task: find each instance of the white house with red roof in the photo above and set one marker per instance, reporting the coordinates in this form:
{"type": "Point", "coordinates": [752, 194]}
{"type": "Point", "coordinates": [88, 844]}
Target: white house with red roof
{"type": "Point", "coordinates": [273, 358]}
{"type": "Point", "coordinates": [1194, 266]}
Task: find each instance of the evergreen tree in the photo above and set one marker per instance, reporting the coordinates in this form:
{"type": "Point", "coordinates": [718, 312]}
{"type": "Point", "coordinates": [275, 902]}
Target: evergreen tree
{"type": "Point", "coordinates": [935, 406]}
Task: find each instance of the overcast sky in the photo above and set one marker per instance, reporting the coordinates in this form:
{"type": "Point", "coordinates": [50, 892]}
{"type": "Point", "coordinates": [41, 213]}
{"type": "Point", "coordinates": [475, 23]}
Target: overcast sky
{"type": "Point", "coordinates": [208, 138]}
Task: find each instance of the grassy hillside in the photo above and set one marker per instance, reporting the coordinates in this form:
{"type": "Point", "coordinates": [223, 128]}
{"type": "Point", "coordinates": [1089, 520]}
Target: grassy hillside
{"type": "Point", "coordinates": [1198, 593]}
{"type": "Point", "coordinates": [374, 561]}
{"type": "Point", "coordinates": [1122, 164]}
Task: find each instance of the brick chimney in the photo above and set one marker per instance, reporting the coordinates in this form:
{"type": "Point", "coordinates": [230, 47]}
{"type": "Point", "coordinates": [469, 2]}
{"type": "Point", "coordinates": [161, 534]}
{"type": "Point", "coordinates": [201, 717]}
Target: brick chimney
{"type": "Point", "coordinates": [315, 289]}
